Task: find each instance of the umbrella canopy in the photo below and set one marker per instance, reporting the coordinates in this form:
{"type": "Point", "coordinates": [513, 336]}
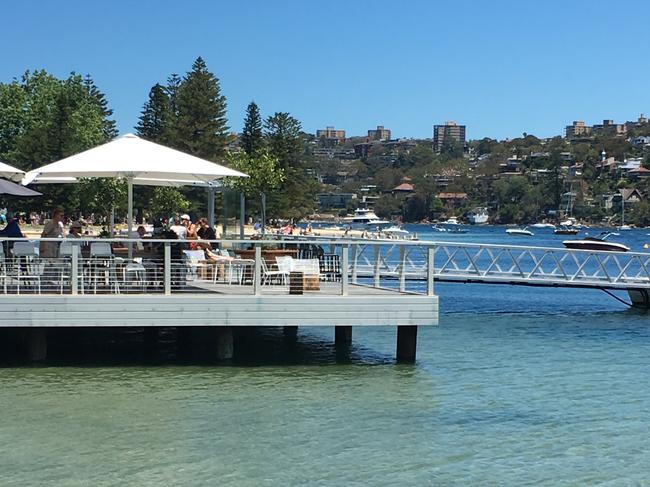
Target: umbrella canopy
{"type": "Point", "coordinates": [7, 187]}
{"type": "Point", "coordinates": [10, 172]}
{"type": "Point", "coordinates": [130, 157]}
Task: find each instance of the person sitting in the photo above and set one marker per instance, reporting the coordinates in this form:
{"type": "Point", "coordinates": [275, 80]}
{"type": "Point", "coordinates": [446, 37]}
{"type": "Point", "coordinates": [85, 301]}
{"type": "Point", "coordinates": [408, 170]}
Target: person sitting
{"type": "Point", "coordinates": [205, 231]}
{"type": "Point", "coordinates": [75, 229]}
{"type": "Point", "coordinates": [12, 230]}
{"type": "Point", "coordinates": [53, 229]}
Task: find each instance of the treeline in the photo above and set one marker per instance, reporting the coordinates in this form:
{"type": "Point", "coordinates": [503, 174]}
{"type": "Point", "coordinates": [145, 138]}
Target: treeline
{"type": "Point", "coordinates": [44, 119]}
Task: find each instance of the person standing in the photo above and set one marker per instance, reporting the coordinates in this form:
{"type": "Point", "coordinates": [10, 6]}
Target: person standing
{"type": "Point", "coordinates": [53, 229]}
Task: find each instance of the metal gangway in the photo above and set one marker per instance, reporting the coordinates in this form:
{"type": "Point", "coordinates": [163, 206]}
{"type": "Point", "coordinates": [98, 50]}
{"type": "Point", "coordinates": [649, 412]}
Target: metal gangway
{"type": "Point", "coordinates": [500, 264]}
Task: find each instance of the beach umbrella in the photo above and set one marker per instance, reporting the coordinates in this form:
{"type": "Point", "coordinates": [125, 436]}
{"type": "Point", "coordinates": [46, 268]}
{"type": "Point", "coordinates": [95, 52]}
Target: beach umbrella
{"type": "Point", "coordinates": [131, 158]}
{"type": "Point", "coordinates": [7, 187]}
{"type": "Point", "coordinates": [10, 172]}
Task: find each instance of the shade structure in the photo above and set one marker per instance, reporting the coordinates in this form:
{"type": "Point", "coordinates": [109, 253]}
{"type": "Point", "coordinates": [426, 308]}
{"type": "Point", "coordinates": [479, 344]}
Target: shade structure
{"type": "Point", "coordinates": [130, 157]}
{"type": "Point", "coordinates": [7, 187]}
{"type": "Point", "coordinates": [10, 172]}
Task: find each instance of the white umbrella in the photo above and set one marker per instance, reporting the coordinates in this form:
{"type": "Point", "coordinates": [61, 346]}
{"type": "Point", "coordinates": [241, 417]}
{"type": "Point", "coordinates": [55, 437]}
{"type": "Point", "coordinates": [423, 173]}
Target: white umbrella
{"type": "Point", "coordinates": [10, 172]}
{"type": "Point", "coordinates": [130, 157]}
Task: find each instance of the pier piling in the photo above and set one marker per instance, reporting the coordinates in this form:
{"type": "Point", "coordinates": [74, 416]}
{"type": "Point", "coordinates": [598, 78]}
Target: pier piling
{"type": "Point", "coordinates": [343, 336]}
{"type": "Point", "coordinates": [37, 344]}
{"type": "Point", "coordinates": [407, 339]}
{"type": "Point", "coordinates": [225, 347]}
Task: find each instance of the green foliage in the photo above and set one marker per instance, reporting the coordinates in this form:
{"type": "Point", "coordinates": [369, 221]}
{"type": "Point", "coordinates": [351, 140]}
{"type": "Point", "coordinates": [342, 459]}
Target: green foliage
{"type": "Point", "coordinates": [388, 207]}
{"type": "Point", "coordinates": [154, 122]}
{"type": "Point", "coordinates": [284, 139]}
{"type": "Point", "coordinates": [100, 195]}
{"type": "Point", "coordinates": [202, 126]}
{"type": "Point", "coordinates": [263, 170]}
{"type": "Point", "coordinates": [252, 137]}
{"type": "Point", "coordinates": [44, 119]}
{"type": "Point", "coordinates": [168, 201]}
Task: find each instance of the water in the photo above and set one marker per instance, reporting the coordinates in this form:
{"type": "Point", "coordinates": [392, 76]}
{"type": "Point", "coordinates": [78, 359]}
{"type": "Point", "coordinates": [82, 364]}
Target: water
{"type": "Point", "coordinates": [503, 393]}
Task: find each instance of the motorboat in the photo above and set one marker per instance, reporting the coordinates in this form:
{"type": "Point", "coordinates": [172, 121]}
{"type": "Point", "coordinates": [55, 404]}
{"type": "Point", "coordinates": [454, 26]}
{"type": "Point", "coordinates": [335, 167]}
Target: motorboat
{"type": "Point", "coordinates": [366, 218]}
{"type": "Point", "coordinates": [395, 230]}
{"type": "Point", "coordinates": [596, 243]}
{"type": "Point", "coordinates": [543, 225]}
{"type": "Point", "coordinates": [524, 232]}
{"type": "Point", "coordinates": [438, 228]}
{"type": "Point", "coordinates": [452, 220]}
{"type": "Point", "coordinates": [625, 227]}
{"type": "Point", "coordinates": [478, 216]}
{"type": "Point", "coordinates": [566, 231]}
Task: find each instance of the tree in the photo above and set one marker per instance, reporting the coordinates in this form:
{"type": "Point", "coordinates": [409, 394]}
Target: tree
{"type": "Point", "coordinates": [295, 197]}
{"type": "Point", "coordinates": [167, 201]}
{"type": "Point", "coordinates": [155, 118]}
{"type": "Point", "coordinates": [43, 119]}
{"type": "Point", "coordinates": [252, 137]}
{"type": "Point", "coordinates": [264, 175]}
{"type": "Point", "coordinates": [201, 128]}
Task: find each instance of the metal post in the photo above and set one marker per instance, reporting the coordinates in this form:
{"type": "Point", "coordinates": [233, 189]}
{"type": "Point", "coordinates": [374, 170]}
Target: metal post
{"type": "Point", "coordinates": [168, 268]}
{"type": "Point", "coordinates": [354, 263]}
{"type": "Point", "coordinates": [402, 268]}
{"type": "Point", "coordinates": [129, 215]}
{"type": "Point", "coordinates": [211, 206]}
{"type": "Point", "coordinates": [344, 269]}
{"type": "Point", "coordinates": [74, 273]}
{"type": "Point", "coordinates": [377, 265]}
{"type": "Point", "coordinates": [430, 270]}
{"type": "Point", "coordinates": [242, 214]}
{"type": "Point", "coordinates": [224, 212]}
{"type": "Point", "coordinates": [263, 213]}
{"type": "Point", "coordinates": [257, 281]}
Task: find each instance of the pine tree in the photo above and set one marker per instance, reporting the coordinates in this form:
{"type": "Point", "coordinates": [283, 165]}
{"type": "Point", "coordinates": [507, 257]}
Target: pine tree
{"type": "Point", "coordinates": [109, 127]}
{"type": "Point", "coordinates": [154, 121]}
{"type": "Point", "coordinates": [295, 197]}
{"type": "Point", "coordinates": [252, 138]}
{"type": "Point", "coordinates": [202, 124]}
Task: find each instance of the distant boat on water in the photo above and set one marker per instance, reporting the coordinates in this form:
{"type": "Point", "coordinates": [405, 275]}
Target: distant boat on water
{"type": "Point", "coordinates": [566, 231]}
{"type": "Point", "coordinates": [596, 243]}
{"type": "Point", "coordinates": [543, 225]}
{"type": "Point", "coordinates": [523, 232]}
{"type": "Point", "coordinates": [478, 216]}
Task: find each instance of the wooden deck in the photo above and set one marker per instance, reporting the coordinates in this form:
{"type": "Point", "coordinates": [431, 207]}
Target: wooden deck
{"type": "Point", "coordinates": [223, 305]}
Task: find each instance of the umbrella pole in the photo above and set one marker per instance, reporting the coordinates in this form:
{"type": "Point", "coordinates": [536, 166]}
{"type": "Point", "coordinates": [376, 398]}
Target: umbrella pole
{"type": "Point", "coordinates": [129, 215]}
{"type": "Point", "coordinates": [211, 206]}
{"type": "Point", "coordinates": [242, 214]}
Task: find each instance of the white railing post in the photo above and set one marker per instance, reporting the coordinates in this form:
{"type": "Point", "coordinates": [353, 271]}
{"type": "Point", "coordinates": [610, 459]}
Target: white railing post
{"type": "Point", "coordinates": [74, 271]}
{"type": "Point", "coordinates": [354, 263]}
{"type": "Point", "coordinates": [377, 274]}
{"type": "Point", "coordinates": [257, 278]}
{"type": "Point", "coordinates": [168, 268]}
{"type": "Point", "coordinates": [344, 269]}
{"type": "Point", "coordinates": [430, 270]}
{"type": "Point", "coordinates": [402, 268]}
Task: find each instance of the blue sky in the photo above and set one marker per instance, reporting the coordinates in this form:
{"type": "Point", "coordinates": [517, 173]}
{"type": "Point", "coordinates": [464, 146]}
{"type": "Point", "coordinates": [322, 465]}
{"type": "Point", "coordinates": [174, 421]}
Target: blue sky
{"type": "Point", "coordinates": [500, 67]}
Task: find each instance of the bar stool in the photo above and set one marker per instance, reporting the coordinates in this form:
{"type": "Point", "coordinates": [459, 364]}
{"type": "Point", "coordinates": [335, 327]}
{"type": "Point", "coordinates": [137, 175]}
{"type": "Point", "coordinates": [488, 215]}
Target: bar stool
{"type": "Point", "coordinates": [102, 264]}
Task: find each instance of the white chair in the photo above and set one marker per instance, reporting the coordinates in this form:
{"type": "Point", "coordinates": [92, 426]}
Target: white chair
{"type": "Point", "coordinates": [102, 265]}
{"type": "Point", "coordinates": [65, 255]}
{"type": "Point", "coordinates": [281, 273]}
{"type": "Point", "coordinates": [26, 265]}
{"type": "Point", "coordinates": [3, 267]}
{"type": "Point", "coordinates": [195, 263]}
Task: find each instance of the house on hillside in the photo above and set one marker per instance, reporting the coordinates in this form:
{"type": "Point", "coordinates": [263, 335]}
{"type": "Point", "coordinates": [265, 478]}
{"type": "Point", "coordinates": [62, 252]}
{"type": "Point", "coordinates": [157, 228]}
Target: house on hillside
{"type": "Point", "coordinates": [638, 173]}
{"type": "Point", "coordinates": [451, 201]}
{"type": "Point", "coordinates": [404, 188]}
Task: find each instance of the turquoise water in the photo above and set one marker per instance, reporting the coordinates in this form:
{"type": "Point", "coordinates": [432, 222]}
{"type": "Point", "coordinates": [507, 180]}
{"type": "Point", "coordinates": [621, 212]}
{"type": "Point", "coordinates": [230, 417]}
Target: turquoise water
{"type": "Point", "coordinates": [517, 386]}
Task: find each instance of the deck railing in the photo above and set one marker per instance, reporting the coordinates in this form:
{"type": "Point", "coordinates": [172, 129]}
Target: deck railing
{"type": "Point", "coordinates": [158, 266]}
{"type": "Point", "coordinates": [340, 266]}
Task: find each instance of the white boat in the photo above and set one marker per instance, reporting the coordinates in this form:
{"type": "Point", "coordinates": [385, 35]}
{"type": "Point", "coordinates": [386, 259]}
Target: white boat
{"type": "Point", "coordinates": [366, 218]}
{"type": "Point", "coordinates": [596, 243]}
{"type": "Point", "coordinates": [625, 227]}
{"type": "Point", "coordinates": [478, 216]}
{"type": "Point", "coordinates": [395, 230]}
{"type": "Point", "coordinates": [543, 225]}
{"type": "Point", "coordinates": [452, 220]}
{"type": "Point", "coordinates": [524, 232]}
